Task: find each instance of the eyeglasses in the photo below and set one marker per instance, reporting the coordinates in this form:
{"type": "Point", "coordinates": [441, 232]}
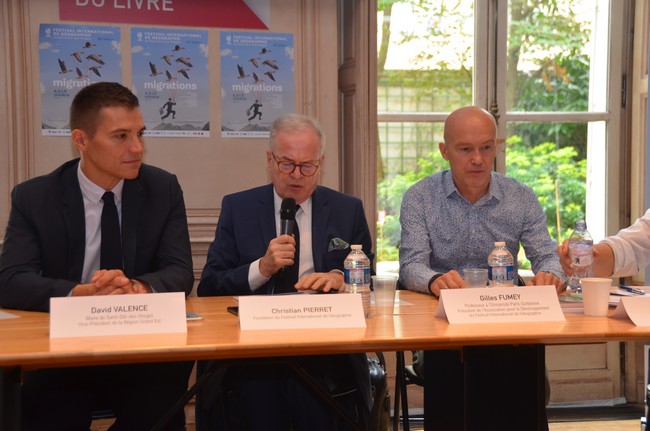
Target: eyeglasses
{"type": "Point", "coordinates": [287, 167]}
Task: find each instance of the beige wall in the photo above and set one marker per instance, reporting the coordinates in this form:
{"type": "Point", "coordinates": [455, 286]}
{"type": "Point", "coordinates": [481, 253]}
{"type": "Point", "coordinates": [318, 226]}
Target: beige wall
{"type": "Point", "coordinates": [208, 168]}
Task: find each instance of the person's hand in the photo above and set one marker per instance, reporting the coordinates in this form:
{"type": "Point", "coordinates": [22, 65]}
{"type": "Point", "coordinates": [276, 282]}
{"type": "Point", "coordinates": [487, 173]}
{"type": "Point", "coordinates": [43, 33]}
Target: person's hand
{"type": "Point", "coordinates": [545, 279]}
{"type": "Point", "coordinates": [86, 289]}
{"type": "Point", "coordinates": [280, 252]}
{"type": "Point", "coordinates": [448, 280]}
{"type": "Point", "coordinates": [106, 282]}
{"type": "Point", "coordinates": [140, 286]}
{"type": "Point", "coordinates": [323, 281]}
{"type": "Point", "coordinates": [604, 265]}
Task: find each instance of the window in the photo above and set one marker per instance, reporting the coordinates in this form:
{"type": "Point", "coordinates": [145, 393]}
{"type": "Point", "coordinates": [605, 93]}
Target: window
{"type": "Point", "coordinates": [552, 75]}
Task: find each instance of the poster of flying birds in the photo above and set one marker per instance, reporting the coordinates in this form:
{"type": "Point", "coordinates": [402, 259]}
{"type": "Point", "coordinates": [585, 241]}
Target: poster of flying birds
{"type": "Point", "coordinates": [170, 76]}
{"type": "Point", "coordinates": [70, 58]}
{"type": "Point", "coordinates": [257, 82]}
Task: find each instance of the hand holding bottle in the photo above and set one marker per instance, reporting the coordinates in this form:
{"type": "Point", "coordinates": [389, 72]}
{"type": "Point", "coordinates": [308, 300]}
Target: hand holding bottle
{"type": "Point", "coordinates": [601, 252]}
{"type": "Point", "coordinates": [580, 251]}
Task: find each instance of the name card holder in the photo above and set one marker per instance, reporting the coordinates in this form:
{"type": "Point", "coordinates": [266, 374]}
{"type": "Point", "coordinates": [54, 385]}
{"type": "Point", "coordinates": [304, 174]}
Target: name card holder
{"type": "Point", "coordinates": [500, 305]}
{"type": "Point", "coordinates": [300, 311]}
{"type": "Point", "coordinates": [84, 316]}
{"type": "Point", "coordinates": [634, 307]}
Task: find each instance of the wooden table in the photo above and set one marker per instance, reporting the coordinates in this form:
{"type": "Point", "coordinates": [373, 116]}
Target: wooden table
{"type": "Point", "coordinates": [25, 343]}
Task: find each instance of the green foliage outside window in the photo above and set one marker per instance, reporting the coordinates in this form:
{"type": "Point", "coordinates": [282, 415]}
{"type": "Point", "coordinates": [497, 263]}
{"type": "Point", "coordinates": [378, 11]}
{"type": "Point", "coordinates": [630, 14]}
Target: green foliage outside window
{"type": "Point", "coordinates": [555, 174]}
{"type": "Point", "coordinates": [547, 71]}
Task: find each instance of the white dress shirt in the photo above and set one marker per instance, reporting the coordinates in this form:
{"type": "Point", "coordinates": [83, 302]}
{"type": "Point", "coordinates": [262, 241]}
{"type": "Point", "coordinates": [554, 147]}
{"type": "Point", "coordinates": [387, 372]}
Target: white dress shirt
{"type": "Point", "coordinates": [93, 205]}
{"type": "Point", "coordinates": [306, 264]}
{"type": "Point", "coordinates": [631, 247]}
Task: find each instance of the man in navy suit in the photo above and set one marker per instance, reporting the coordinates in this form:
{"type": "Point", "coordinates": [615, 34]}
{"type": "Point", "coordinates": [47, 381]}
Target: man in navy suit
{"type": "Point", "coordinates": [53, 248]}
{"type": "Point", "coordinates": [247, 257]}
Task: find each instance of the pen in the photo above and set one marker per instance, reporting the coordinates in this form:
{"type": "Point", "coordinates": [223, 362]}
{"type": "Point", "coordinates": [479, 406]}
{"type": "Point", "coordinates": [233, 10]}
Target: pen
{"type": "Point", "coordinates": [632, 289]}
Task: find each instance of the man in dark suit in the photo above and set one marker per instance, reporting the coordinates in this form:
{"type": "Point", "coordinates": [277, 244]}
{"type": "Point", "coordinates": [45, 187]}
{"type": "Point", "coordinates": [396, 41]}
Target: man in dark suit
{"type": "Point", "coordinates": [247, 257]}
{"type": "Point", "coordinates": [54, 248]}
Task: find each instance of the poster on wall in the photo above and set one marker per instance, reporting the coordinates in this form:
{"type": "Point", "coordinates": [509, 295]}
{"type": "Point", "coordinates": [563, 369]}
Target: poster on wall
{"type": "Point", "coordinates": [170, 77]}
{"type": "Point", "coordinates": [70, 58]}
{"type": "Point", "coordinates": [257, 78]}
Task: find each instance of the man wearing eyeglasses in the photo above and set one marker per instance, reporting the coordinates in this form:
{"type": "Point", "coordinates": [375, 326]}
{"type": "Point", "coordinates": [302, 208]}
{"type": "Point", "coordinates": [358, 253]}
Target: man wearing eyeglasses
{"type": "Point", "coordinates": [247, 257]}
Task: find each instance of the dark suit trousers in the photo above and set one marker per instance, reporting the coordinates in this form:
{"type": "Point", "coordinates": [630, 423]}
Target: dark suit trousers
{"type": "Point", "coordinates": [268, 397]}
{"type": "Point", "coordinates": [485, 387]}
{"type": "Point", "coordinates": [138, 394]}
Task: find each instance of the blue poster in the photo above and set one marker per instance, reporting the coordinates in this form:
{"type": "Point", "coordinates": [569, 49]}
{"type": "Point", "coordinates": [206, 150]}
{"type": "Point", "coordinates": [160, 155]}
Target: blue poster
{"type": "Point", "coordinates": [257, 78]}
{"type": "Point", "coordinates": [170, 77]}
{"type": "Point", "coordinates": [72, 57]}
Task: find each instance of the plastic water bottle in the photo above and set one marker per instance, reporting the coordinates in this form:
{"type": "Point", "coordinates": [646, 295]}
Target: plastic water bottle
{"type": "Point", "coordinates": [581, 252]}
{"type": "Point", "coordinates": [501, 266]}
{"type": "Point", "coordinates": [357, 275]}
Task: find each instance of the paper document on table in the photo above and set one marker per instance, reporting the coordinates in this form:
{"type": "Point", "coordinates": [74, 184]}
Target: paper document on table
{"type": "Point", "coordinates": [636, 308]}
{"type": "Point", "coordinates": [573, 301]}
{"type": "Point", "coordinates": [570, 304]}
{"type": "Point", "coordinates": [5, 315]}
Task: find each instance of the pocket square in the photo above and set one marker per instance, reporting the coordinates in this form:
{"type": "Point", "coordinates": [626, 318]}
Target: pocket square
{"type": "Point", "coordinates": [337, 244]}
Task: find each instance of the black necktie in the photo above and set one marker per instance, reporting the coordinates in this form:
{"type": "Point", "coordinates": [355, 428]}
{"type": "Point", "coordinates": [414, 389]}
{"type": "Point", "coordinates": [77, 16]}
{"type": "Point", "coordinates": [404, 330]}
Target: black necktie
{"type": "Point", "coordinates": [110, 256]}
{"type": "Point", "coordinates": [288, 276]}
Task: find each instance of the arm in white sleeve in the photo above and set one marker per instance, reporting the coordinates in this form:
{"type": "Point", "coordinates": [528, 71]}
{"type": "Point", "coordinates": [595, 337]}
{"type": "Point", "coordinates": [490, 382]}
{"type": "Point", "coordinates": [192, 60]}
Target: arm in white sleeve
{"type": "Point", "coordinates": [255, 277]}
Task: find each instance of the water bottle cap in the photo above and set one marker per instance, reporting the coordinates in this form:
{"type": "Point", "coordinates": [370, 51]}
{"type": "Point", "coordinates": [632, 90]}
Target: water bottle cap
{"type": "Point", "coordinates": [499, 243]}
{"type": "Point", "coordinates": [580, 225]}
{"type": "Point", "coordinates": [356, 247]}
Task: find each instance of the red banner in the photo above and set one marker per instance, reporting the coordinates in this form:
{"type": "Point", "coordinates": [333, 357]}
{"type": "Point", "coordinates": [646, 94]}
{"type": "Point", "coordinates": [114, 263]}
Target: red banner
{"type": "Point", "coordinates": [186, 13]}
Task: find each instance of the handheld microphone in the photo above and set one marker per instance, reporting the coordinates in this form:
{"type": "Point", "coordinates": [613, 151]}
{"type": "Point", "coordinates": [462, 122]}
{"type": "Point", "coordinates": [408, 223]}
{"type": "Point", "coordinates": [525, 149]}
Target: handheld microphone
{"type": "Point", "coordinates": [287, 216]}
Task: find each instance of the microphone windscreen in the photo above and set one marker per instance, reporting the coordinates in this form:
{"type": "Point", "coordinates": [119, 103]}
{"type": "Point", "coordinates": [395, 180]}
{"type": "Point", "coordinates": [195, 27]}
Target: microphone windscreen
{"type": "Point", "coordinates": [288, 209]}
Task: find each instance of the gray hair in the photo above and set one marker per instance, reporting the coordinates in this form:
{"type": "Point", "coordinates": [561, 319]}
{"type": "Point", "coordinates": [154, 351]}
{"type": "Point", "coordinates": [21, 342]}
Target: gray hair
{"type": "Point", "coordinates": [296, 122]}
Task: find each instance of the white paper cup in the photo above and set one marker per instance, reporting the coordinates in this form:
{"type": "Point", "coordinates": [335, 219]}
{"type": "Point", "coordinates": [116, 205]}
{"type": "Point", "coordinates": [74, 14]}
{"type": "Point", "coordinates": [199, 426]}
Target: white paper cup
{"type": "Point", "coordinates": [475, 277]}
{"type": "Point", "coordinates": [595, 295]}
{"type": "Point", "coordinates": [384, 288]}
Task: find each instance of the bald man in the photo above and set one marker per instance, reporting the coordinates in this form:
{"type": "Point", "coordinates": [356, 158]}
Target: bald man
{"type": "Point", "coordinates": [451, 219]}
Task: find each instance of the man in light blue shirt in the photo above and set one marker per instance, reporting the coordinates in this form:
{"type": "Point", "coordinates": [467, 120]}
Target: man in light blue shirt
{"type": "Point", "coordinates": [450, 221]}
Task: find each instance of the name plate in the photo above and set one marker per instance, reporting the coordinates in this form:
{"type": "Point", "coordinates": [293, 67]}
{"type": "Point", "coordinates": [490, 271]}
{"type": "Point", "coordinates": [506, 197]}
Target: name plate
{"type": "Point", "coordinates": [636, 308]}
{"type": "Point", "coordinates": [300, 311]}
{"type": "Point", "coordinates": [500, 304]}
{"type": "Point", "coordinates": [83, 316]}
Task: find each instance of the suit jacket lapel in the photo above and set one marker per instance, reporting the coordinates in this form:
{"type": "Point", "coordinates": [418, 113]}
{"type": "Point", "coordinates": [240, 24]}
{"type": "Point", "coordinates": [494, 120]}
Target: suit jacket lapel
{"type": "Point", "coordinates": [319, 219]}
{"type": "Point", "coordinates": [75, 223]}
{"type": "Point", "coordinates": [266, 216]}
{"type": "Point", "coordinates": [132, 201]}
{"type": "Point", "coordinates": [266, 223]}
